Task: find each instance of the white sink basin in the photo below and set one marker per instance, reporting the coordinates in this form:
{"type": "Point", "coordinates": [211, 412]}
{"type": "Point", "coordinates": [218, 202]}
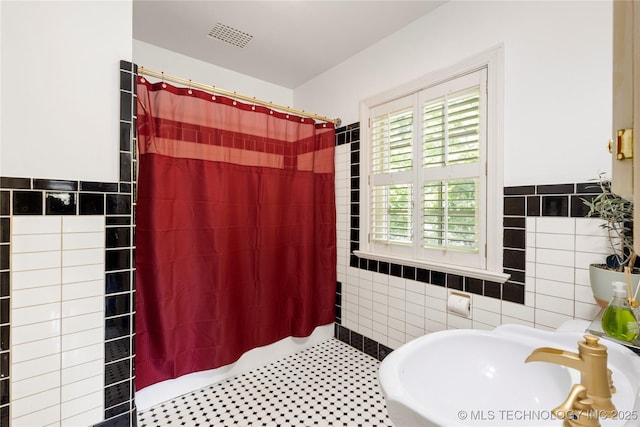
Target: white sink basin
{"type": "Point", "coordinates": [473, 377]}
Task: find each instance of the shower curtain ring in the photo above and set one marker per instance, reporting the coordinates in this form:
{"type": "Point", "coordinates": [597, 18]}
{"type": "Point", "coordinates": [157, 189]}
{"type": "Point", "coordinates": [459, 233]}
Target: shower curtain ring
{"type": "Point", "coordinates": [234, 98]}
{"type": "Point", "coordinates": [253, 107]}
{"type": "Point", "coordinates": [213, 93]}
{"type": "Point", "coordinates": [164, 85]}
{"type": "Point", "coordinates": [190, 91]}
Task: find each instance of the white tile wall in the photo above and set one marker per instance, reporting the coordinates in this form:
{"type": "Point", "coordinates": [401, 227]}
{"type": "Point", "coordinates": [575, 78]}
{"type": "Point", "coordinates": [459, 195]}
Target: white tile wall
{"type": "Point", "coordinates": [57, 329]}
{"type": "Point", "coordinates": [392, 310]}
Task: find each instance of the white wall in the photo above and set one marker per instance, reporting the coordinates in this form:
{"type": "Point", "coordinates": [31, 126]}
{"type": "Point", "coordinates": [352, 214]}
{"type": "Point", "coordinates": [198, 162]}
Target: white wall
{"type": "Point", "coordinates": [557, 79]}
{"type": "Point", "coordinates": [59, 81]}
{"type": "Point", "coordinates": [175, 64]}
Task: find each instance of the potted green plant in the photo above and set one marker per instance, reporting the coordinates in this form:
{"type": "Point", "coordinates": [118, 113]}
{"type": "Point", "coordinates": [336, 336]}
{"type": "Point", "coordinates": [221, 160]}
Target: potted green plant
{"type": "Point", "coordinates": [617, 214]}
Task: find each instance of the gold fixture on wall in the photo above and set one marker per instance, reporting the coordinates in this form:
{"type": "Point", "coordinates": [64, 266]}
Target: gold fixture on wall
{"type": "Point", "coordinates": [624, 144]}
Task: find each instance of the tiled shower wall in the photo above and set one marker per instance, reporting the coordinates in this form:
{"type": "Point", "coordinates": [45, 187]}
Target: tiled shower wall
{"type": "Point", "coordinates": [548, 244]}
{"type": "Point", "coordinates": [67, 293]}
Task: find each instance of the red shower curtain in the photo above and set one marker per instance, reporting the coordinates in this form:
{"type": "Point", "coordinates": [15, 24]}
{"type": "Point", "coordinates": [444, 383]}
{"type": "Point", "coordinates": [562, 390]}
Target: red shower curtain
{"type": "Point", "coordinates": [236, 242]}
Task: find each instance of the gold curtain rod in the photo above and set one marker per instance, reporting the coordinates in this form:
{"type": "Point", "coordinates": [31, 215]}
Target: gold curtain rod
{"type": "Point", "coordinates": [234, 95]}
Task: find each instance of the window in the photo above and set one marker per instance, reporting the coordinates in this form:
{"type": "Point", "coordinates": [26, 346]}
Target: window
{"type": "Point", "coordinates": [430, 166]}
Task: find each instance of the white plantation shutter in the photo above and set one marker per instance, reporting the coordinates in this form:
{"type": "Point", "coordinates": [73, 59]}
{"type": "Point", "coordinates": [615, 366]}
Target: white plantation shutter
{"type": "Point", "coordinates": [426, 173]}
{"type": "Point", "coordinates": [392, 160]}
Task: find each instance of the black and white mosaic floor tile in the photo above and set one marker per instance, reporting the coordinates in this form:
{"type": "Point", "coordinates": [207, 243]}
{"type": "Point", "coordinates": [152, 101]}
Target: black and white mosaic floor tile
{"type": "Point", "coordinates": [329, 384]}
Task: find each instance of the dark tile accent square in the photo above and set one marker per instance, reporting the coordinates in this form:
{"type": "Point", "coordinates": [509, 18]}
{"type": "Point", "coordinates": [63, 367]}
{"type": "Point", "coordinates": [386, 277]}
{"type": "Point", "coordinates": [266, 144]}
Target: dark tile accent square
{"type": "Point", "coordinates": [514, 206]}
{"type": "Point", "coordinates": [343, 334]}
{"type": "Point", "coordinates": [341, 138]}
{"type": "Point", "coordinates": [514, 222]}
{"type": "Point", "coordinates": [354, 235]}
{"type": "Point", "coordinates": [383, 267]}
{"type": "Point", "coordinates": [118, 237]}
{"type": "Point", "coordinates": [355, 208]}
{"type": "Point", "coordinates": [423, 275]}
{"type": "Point", "coordinates": [118, 259]}
{"type": "Point", "coordinates": [55, 184]}
{"type": "Point", "coordinates": [354, 261]}
{"type": "Point", "coordinates": [117, 371]}
{"type": "Point", "coordinates": [117, 327]}
{"type": "Point", "coordinates": [372, 265]}
{"type": "Point", "coordinates": [118, 282]}
{"type": "Point", "coordinates": [438, 278]}
{"type": "Point", "coordinates": [125, 106]}
{"type": "Point", "coordinates": [513, 292]}
{"type": "Point", "coordinates": [4, 396]}
{"type": "Point", "coordinates": [4, 257]}
{"type": "Point", "coordinates": [514, 238]}
{"type": "Point", "coordinates": [4, 365]}
{"type": "Point", "coordinates": [4, 338]}
{"type": "Point", "coordinates": [493, 289]}
{"type": "Point", "coordinates": [126, 81]}
{"type": "Point", "coordinates": [116, 394]}
{"type": "Point", "coordinates": [555, 206]}
{"type": "Point", "coordinates": [117, 349]}
{"type": "Point", "coordinates": [355, 222]}
{"type": "Point", "coordinates": [125, 167]}
{"type": "Point", "coordinates": [91, 204]}
{"type": "Point", "coordinates": [4, 284]}
{"type": "Point", "coordinates": [474, 286]}
{"type": "Point", "coordinates": [519, 190]}
{"type": "Point", "coordinates": [355, 135]}
{"type": "Point", "coordinates": [578, 208]}
{"type": "Point", "coordinates": [5, 230]}
{"type": "Point", "coordinates": [355, 170]}
{"type": "Point", "coordinates": [514, 259]}
{"type": "Point", "coordinates": [4, 311]}
{"type": "Point", "coordinates": [99, 187]}
{"type": "Point", "coordinates": [395, 270]}
{"type": "Point", "coordinates": [588, 187]}
{"type": "Point", "coordinates": [60, 203]}
{"type": "Point", "coordinates": [118, 220]}
{"type": "Point", "coordinates": [117, 305]}
{"type": "Point", "coordinates": [338, 314]}
{"type": "Point", "coordinates": [125, 187]}
{"type": "Point", "coordinates": [4, 412]}
{"type": "Point", "coordinates": [5, 203]}
{"type": "Point", "coordinates": [118, 204]}
{"type": "Point", "coordinates": [383, 351]}
{"type": "Point", "coordinates": [555, 189]}
{"type": "Point", "coordinates": [533, 206]}
{"type": "Point", "coordinates": [338, 287]}
{"type": "Point", "coordinates": [355, 146]}
{"type": "Point", "coordinates": [455, 282]}
{"type": "Point", "coordinates": [121, 419]}
{"type": "Point", "coordinates": [15, 183]}
{"type": "Point", "coordinates": [516, 275]}
{"type": "Point", "coordinates": [355, 183]}
{"type": "Point", "coordinates": [355, 157]}
{"type": "Point", "coordinates": [370, 347]}
{"type": "Point", "coordinates": [363, 264]}
{"type": "Point", "coordinates": [125, 136]}
{"type": "Point", "coordinates": [408, 272]}
{"type": "Point", "coordinates": [357, 341]}
{"type": "Point", "coordinates": [125, 65]}
{"type": "Point", "coordinates": [27, 203]}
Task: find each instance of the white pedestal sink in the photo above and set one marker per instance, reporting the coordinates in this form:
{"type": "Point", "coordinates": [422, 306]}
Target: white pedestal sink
{"type": "Point", "coordinates": [479, 378]}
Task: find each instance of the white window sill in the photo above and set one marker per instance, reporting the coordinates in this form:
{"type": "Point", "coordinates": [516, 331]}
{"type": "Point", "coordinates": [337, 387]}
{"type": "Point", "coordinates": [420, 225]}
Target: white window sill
{"type": "Point", "coordinates": [477, 273]}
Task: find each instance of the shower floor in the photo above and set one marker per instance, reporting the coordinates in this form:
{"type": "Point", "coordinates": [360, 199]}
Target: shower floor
{"type": "Point", "coordinates": [329, 384]}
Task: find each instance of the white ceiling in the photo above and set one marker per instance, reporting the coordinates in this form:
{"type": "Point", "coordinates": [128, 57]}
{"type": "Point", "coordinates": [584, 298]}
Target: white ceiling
{"type": "Point", "coordinates": [293, 41]}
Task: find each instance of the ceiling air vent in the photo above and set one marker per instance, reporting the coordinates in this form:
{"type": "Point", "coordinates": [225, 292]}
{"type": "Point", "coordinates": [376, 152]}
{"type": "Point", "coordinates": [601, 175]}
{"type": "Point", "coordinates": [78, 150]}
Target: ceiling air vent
{"type": "Point", "coordinates": [230, 35]}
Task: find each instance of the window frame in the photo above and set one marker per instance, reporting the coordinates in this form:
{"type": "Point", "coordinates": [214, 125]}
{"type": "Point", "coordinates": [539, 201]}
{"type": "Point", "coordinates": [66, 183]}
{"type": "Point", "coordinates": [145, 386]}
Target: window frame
{"type": "Point", "coordinates": [492, 60]}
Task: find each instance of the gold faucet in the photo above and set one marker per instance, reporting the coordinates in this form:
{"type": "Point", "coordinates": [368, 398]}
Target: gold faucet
{"type": "Point", "coordinates": [591, 361]}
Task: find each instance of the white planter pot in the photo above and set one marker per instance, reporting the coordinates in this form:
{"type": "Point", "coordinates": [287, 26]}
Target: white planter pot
{"type": "Point", "coordinates": [601, 280]}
